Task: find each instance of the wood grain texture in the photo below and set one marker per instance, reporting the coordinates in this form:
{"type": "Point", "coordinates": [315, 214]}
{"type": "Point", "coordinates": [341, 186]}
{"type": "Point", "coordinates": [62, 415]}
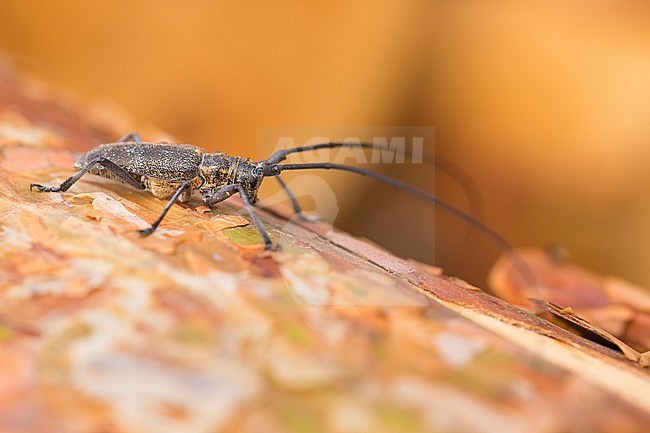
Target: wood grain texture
{"type": "Point", "coordinates": [198, 329]}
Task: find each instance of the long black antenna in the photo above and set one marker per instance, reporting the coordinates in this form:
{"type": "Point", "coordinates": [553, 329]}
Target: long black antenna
{"type": "Point", "coordinates": [524, 270]}
{"type": "Point", "coordinates": [466, 182]}
{"type": "Point", "coordinates": [474, 197]}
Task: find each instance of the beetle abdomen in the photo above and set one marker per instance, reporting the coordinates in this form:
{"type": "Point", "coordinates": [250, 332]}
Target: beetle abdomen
{"type": "Point", "coordinates": [171, 162]}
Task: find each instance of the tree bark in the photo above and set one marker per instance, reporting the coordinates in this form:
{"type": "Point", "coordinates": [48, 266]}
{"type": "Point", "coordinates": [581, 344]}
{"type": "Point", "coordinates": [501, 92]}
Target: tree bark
{"type": "Point", "coordinates": [198, 329]}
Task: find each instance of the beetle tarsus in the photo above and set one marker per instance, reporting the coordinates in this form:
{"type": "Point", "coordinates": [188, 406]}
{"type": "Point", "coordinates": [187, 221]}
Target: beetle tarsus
{"type": "Point", "coordinates": [147, 231]}
{"type": "Point", "coordinates": [42, 188]}
{"type": "Point", "coordinates": [309, 218]}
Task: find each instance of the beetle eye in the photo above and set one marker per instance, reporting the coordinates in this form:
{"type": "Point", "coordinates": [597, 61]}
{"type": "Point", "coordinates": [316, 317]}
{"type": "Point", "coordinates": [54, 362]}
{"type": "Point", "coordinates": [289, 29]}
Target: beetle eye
{"type": "Point", "coordinates": [256, 173]}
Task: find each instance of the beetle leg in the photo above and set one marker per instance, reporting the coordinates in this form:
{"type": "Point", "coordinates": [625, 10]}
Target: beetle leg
{"type": "Point", "coordinates": [294, 203]}
{"type": "Point", "coordinates": [212, 198]}
{"type": "Point", "coordinates": [154, 226]}
{"type": "Point", "coordinates": [133, 136]}
{"type": "Point", "coordinates": [225, 192]}
{"type": "Point", "coordinates": [118, 171]}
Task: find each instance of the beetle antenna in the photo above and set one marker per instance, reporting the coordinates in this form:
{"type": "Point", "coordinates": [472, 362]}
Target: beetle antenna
{"type": "Point", "coordinates": [465, 181]}
{"type": "Point", "coordinates": [523, 269]}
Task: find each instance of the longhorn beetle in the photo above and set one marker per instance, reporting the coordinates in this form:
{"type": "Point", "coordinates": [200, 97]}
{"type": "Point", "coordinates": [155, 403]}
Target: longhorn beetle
{"type": "Point", "coordinates": [174, 171]}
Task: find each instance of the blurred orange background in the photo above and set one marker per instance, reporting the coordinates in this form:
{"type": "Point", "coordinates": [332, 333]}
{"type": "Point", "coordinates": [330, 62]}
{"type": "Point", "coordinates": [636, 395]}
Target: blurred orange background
{"type": "Point", "coordinates": [545, 105]}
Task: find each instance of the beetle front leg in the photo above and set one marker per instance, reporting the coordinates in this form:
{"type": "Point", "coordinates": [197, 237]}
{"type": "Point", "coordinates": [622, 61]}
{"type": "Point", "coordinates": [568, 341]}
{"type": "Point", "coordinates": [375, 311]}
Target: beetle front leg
{"type": "Point", "coordinates": [228, 190]}
{"type": "Point", "coordinates": [118, 171]}
{"type": "Point", "coordinates": [154, 226]}
{"type": "Point", "coordinates": [211, 198]}
{"type": "Point", "coordinates": [295, 205]}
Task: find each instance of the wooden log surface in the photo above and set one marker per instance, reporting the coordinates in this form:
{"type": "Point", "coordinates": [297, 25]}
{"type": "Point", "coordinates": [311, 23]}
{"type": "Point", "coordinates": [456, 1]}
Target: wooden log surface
{"type": "Point", "coordinates": [198, 329]}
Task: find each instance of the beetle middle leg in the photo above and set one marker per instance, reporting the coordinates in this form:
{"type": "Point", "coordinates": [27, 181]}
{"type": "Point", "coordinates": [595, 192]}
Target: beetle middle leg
{"type": "Point", "coordinates": [154, 226]}
{"type": "Point", "coordinates": [225, 192]}
{"type": "Point", "coordinates": [118, 171]}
